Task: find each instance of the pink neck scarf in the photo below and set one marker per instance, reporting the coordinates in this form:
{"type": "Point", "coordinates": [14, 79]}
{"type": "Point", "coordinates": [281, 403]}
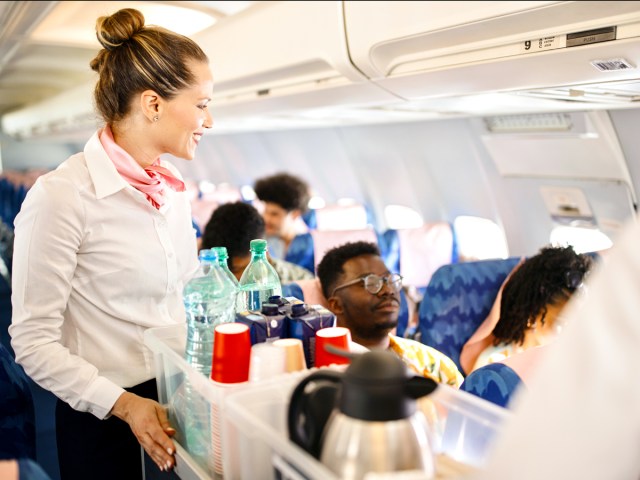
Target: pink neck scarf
{"type": "Point", "coordinates": [151, 180]}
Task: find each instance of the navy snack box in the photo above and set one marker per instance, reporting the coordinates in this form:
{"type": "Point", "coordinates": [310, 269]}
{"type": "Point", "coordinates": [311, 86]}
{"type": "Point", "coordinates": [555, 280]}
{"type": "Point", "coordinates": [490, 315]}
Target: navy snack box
{"type": "Point", "coordinates": [303, 323]}
{"type": "Point", "coordinates": [267, 325]}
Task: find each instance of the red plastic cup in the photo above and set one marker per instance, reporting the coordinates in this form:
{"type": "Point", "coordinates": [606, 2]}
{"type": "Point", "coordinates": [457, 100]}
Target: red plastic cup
{"type": "Point", "coordinates": [231, 353]}
{"type": "Point", "coordinates": [339, 337]}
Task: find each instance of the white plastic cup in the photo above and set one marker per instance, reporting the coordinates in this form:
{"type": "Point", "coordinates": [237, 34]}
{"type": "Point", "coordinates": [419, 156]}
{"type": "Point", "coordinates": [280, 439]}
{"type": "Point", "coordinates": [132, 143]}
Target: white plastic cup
{"type": "Point", "coordinates": [267, 361]}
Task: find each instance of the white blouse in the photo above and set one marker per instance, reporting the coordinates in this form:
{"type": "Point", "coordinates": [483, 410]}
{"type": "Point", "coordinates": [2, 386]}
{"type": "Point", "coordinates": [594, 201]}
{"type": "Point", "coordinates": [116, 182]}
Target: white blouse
{"type": "Point", "coordinates": [94, 266]}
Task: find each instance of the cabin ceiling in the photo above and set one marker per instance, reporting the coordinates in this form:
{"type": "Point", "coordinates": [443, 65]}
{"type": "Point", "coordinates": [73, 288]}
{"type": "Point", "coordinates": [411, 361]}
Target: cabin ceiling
{"type": "Point", "coordinates": [46, 47]}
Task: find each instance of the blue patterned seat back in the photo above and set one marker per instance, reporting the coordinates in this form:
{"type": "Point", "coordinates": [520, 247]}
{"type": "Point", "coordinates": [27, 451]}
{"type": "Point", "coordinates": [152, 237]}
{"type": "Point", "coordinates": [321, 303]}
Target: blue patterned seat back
{"type": "Point", "coordinates": [403, 315]}
{"type": "Point", "coordinates": [495, 382]}
{"type": "Point", "coordinates": [292, 290]}
{"type": "Point", "coordinates": [457, 300]}
{"type": "Point", "coordinates": [309, 218]}
{"type": "Point", "coordinates": [390, 249]}
{"type": "Point", "coordinates": [17, 416]}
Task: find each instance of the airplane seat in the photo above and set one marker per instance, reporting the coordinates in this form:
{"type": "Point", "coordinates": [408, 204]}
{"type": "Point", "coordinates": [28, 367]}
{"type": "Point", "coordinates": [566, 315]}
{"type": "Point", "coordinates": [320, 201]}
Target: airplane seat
{"type": "Point", "coordinates": [5, 313]}
{"type": "Point", "coordinates": [300, 251]}
{"type": "Point", "coordinates": [342, 217]}
{"type": "Point", "coordinates": [11, 196]}
{"type": "Point", "coordinates": [421, 251]}
{"type": "Point", "coordinates": [495, 383]}
{"type": "Point", "coordinates": [17, 413]}
{"type": "Point", "coordinates": [457, 299]}
{"type": "Point", "coordinates": [310, 220]}
{"type": "Point", "coordinates": [309, 291]}
{"type": "Point", "coordinates": [333, 218]}
{"type": "Point", "coordinates": [201, 210]}
{"type": "Point", "coordinates": [203, 204]}
{"type": "Point", "coordinates": [292, 289]}
{"type": "Point", "coordinates": [390, 249]}
{"type": "Point", "coordinates": [403, 315]}
{"type": "Point", "coordinates": [325, 240]}
{"type": "Point", "coordinates": [307, 249]}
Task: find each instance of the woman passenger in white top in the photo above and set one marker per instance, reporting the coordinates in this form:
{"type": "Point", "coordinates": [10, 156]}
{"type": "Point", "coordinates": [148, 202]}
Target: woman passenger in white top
{"type": "Point", "coordinates": [104, 245]}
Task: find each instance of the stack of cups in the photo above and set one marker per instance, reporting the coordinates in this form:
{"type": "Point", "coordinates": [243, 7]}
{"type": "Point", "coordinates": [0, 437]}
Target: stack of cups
{"type": "Point", "coordinates": [267, 361]}
{"type": "Point", "coordinates": [230, 365]}
{"type": "Point", "coordinates": [231, 353]}
{"type": "Point", "coordinates": [293, 352]}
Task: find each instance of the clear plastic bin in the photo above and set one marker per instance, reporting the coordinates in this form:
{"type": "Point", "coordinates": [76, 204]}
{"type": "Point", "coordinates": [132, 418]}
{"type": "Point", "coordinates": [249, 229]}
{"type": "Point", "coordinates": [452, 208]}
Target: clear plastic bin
{"type": "Point", "coordinates": [189, 397]}
{"type": "Point", "coordinates": [463, 428]}
{"type": "Point", "coordinates": [250, 439]}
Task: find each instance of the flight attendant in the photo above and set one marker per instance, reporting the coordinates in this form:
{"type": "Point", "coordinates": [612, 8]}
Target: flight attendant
{"type": "Point", "coordinates": [103, 247]}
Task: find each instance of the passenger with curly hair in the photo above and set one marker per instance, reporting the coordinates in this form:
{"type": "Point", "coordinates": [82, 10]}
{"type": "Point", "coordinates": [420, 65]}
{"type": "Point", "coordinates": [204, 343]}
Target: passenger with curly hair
{"type": "Point", "coordinates": [365, 298]}
{"type": "Point", "coordinates": [285, 199]}
{"type": "Point", "coordinates": [233, 226]}
{"type": "Point", "coordinates": [532, 300]}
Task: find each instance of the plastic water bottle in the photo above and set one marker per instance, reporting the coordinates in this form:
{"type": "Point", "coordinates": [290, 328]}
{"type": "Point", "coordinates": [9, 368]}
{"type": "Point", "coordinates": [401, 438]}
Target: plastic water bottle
{"type": "Point", "coordinates": [259, 280]}
{"type": "Point", "coordinates": [209, 300]}
{"type": "Point", "coordinates": [223, 259]}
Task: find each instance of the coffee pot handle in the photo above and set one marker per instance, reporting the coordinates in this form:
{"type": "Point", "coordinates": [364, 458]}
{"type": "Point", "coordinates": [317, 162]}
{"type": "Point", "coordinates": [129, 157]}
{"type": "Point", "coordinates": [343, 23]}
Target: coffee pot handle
{"type": "Point", "coordinates": [309, 409]}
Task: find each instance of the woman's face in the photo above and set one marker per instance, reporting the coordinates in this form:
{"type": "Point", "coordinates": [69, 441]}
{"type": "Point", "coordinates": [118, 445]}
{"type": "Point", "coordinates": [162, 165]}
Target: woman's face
{"type": "Point", "coordinates": [186, 116]}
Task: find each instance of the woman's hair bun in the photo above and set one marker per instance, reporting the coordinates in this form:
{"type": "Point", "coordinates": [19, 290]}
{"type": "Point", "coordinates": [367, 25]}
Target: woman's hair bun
{"type": "Point", "coordinates": [116, 29]}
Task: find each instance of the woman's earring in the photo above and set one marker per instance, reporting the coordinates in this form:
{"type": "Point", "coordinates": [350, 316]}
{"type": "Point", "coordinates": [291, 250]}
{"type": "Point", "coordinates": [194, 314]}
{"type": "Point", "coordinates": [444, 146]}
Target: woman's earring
{"type": "Point", "coordinates": [156, 118]}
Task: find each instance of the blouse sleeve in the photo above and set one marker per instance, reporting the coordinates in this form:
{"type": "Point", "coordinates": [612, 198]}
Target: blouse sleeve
{"type": "Point", "coordinates": [48, 235]}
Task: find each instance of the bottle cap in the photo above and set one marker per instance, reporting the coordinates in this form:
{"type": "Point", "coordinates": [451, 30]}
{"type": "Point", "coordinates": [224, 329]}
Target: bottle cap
{"type": "Point", "coordinates": [222, 252]}
{"type": "Point", "coordinates": [276, 299]}
{"type": "Point", "coordinates": [269, 309]}
{"type": "Point", "coordinates": [258, 245]}
{"type": "Point", "coordinates": [208, 255]}
{"type": "Point", "coordinates": [299, 309]}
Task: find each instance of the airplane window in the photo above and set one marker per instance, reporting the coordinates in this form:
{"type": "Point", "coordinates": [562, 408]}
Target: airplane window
{"type": "Point", "coordinates": [316, 202]}
{"type": "Point", "coordinates": [582, 240]}
{"type": "Point", "coordinates": [206, 186]}
{"type": "Point", "coordinates": [479, 239]}
{"type": "Point", "coordinates": [343, 216]}
{"type": "Point", "coordinates": [400, 216]}
{"type": "Point", "coordinates": [248, 193]}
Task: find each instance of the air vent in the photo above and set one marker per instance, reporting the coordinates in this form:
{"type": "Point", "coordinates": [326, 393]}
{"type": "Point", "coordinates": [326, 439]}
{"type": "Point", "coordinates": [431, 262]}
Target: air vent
{"type": "Point", "coordinates": [543, 122]}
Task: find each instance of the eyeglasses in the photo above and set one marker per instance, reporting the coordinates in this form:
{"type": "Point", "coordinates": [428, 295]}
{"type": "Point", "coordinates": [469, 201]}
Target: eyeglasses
{"type": "Point", "coordinates": [373, 283]}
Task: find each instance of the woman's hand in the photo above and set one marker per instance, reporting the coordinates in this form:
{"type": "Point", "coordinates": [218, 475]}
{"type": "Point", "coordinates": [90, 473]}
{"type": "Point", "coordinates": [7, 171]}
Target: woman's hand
{"type": "Point", "coordinates": [149, 423]}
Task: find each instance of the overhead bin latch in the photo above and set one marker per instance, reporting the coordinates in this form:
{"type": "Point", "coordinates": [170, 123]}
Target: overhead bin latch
{"type": "Point", "coordinates": [588, 37]}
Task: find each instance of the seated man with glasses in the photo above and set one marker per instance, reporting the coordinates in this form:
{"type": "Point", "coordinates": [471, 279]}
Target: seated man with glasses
{"type": "Point", "coordinates": [364, 296]}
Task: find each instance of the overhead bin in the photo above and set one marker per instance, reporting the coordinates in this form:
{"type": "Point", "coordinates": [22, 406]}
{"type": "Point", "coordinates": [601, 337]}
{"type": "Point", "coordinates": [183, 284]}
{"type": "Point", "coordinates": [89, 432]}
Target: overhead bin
{"type": "Point", "coordinates": [296, 63]}
{"type": "Point", "coordinates": [429, 49]}
{"type": "Point", "coordinates": [283, 56]}
{"type": "Point", "coordinates": [69, 115]}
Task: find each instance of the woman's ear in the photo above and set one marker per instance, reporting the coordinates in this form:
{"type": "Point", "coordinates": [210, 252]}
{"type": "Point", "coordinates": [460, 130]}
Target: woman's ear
{"type": "Point", "coordinates": [150, 104]}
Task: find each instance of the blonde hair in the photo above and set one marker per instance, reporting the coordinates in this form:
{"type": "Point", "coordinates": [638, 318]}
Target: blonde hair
{"type": "Point", "coordinates": [136, 58]}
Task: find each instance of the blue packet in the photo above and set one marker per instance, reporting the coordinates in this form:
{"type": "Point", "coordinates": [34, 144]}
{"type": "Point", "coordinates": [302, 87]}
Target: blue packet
{"type": "Point", "coordinates": [266, 325]}
{"type": "Point", "coordinates": [303, 323]}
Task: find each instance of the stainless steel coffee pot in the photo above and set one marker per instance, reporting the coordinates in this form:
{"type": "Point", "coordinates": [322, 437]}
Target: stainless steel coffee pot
{"type": "Point", "coordinates": [365, 419]}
